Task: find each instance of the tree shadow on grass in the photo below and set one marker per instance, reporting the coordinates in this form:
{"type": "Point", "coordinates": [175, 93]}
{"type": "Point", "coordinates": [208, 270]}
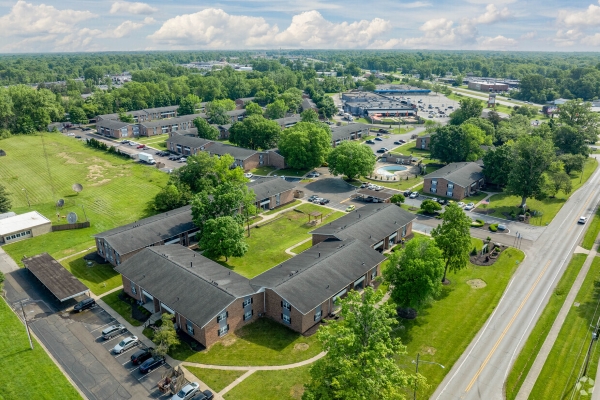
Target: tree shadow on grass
{"type": "Point", "coordinates": [96, 274]}
{"type": "Point", "coordinates": [270, 334]}
{"type": "Point", "coordinates": [589, 310]}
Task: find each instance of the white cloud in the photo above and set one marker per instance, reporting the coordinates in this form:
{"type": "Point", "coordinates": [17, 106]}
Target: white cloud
{"type": "Point", "coordinates": [492, 14]}
{"type": "Point", "coordinates": [441, 32]}
{"type": "Point", "coordinates": [214, 28]}
{"type": "Point", "coordinates": [593, 40]}
{"type": "Point", "coordinates": [529, 35]}
{"type": "Point", "coordinates": [416, 4]}
{"type": "Point", "coordinates": [589, 17]}
{"type": "Point", "coordinates": [568, 37]}
{"type": "Point", "coordinates": [487, 1]}
{"type": "Point", "coordinates": [127, 7]}
{"type": "Point", "coordinates": [26, 19]}
{"type": "Point", "coordinates": [496, 43]}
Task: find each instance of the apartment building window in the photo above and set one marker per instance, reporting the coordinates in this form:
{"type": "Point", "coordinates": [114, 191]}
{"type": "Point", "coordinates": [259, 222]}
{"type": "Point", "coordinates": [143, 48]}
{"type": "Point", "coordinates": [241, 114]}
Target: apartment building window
{"type": "Point", "coordinates": [190, 328]}
{"type": "Point", "coordinates": [374, 273]}
{"type": "Point", "coordinates": [286, 305]}
{"type": "Point", "coordinates": [223, 330]}
{"type": "Point", "coordinates": [247, 302]}
{"type": "Point", "coordinates": [433, 189]}
{"type": "Point", "coordinates": [133, 289]}
{"type": "Point", "coordinates": [286, 318]}
{"type": "Point", "coordinates": [318, 313]}
{"type": "Point", "coordinates": [248, 315]}
{"type": "Point", "coordinates": [222, 316]}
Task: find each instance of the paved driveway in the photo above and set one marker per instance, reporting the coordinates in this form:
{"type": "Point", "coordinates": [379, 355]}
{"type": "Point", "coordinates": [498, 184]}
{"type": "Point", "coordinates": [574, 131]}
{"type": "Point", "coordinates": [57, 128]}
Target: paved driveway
{"type": "Point", "coordinates": [330, 187]}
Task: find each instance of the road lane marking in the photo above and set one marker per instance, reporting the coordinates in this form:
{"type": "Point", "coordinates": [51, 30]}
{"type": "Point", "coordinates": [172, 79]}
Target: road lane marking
{"type": "Point", "coordinates": [512, 320]}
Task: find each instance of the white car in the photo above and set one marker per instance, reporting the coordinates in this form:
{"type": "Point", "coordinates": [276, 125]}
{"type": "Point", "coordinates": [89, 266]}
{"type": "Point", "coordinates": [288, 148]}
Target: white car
{"type": "Point", "coordinates": [582, 220]}
{"type": "Point", "coordinates": [414, 195]}
{"type": "Point", "coordinates": [248, 175]}
{"type": "Point", "coordinates": [460, 204]}
{"type": "Point", "coordinates": [125, 344]}
{"type": "Point", "coordinates": [187, 392]}
{"type": "Point", "coordinates": [469, 207]}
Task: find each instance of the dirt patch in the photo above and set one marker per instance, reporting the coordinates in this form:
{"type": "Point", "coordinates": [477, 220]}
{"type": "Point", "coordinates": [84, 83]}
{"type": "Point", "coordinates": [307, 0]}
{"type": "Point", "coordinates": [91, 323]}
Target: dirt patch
{"type": "Point", "coordinates": [301, 346]}
{"type": "Point", "coordinates": [476, 283]}
{"type": "Point", "coordinates": [69, 159]}
{"type": "Point", "coordinates": [228, 341]}
{"type": "Point", "coordinates": [297, 391]}
{"type": "Point", "coordinates": [428, 350]}
{"type": "Point", "coordinates": [102, 182]}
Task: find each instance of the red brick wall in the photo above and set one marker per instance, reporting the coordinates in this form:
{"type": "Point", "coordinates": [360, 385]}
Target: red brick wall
{"type": "Point", "coordinates": [284, 198]}
{"type": "Point", "coordinates": [274, 159]}
{"type": "Point", "coordinates": [458, 193]}
{"type": "Point", "coordinates": [316, 239]}
{"type": "Point", "coordinates": [252, 162]}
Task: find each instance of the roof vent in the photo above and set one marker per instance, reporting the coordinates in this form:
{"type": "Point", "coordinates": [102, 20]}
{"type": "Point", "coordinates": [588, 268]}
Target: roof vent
{"type": "Point", "coordinates": [319, 254]}
{"type": "Point", "coordinates": [191, 264]}
{"type": "Point", "coordinates": [327, 287]}
{"type": "Point", "coordinates": [363, 263]}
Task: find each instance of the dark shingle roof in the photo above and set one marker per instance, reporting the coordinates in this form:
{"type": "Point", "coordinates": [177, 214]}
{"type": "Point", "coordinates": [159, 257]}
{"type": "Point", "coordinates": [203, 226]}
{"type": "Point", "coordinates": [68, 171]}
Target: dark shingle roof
{"type": "Point", "coordinates": [111, 124]}
{"type": "Point", "coordinates": [54, 276]}
{"type": "Point", "coordinates": [236, 113]}
{"type": "Point", "coordinates": [462, 173]}
{"type": "Point", "coordinates": [294, 119]}
{"type": "Point", "coordinates": [142, 233]}
{"type": "Point", "coordinates": [161, 109]}
{"type": "Point", "coordinates": [185, 281]}
{"type": "Point", "coordinates": [270, 186]}
{"type": "Point", "coordinates": [320, 272]}
{"type": "Point", "coordinates": [369, 224]}
{"type": "Point", "coordinates": [341, 132]}
{"type": "Point", "coordinates": [239, 153]}
{"type": "Point", "coordinates": [171, 121]}
{"type": "Point", "coordinates": [189, 141]}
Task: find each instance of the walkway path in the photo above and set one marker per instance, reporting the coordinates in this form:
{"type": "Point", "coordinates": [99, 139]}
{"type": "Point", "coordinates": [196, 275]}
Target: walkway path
{"type": "Point", "coordinates": [289, 249]}
{"type": "Point", "coordinates": [542, 356]}
{"type": "Point", "coordinates": [74, 254]}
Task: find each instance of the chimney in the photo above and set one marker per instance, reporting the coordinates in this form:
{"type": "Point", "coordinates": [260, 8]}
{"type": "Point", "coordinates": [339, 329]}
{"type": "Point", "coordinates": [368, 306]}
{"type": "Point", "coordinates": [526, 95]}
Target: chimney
{"type": "Point", "coordinates": [319, 254]}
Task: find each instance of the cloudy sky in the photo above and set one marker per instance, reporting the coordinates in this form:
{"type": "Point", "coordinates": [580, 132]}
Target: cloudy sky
{"type": "Point", "coordinates": [98, 25]}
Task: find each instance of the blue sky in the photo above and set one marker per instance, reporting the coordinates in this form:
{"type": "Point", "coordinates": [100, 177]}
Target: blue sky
{"type": "Point", "coordinates": [99, 25]}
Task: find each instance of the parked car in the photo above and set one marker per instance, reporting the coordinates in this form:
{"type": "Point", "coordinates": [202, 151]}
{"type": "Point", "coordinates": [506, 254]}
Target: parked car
{"type": "Point", "coordinates": [205, 395]}
{"type": "Point", "coordinates": [397, 142]}
{"type": "Point", "coordinates": [313, 174]}
{"type": "Point", "coordinates": [442, 201]}
{"type": "Point", "coordinates": [158, 153]}
{"type": "Point", "coordinates": [414, 195]}
{"type": "Point", "coordinates": [324, 201]}
{"type": "Point", "coordinates": [582, 220]}
{"type": "Point", "coordinates": [351, 207]}
{"type": "Point", "coordinates": [70, 134]}
{"type": "Point", "coordinates": [132, 143]}
{"type": "Point", "coordinates": [113, 331]}
{"type": "Point", "coordinates": [378, 188]}
{"type": "Point", "coordinates": [124, 141]}
{"type": "Point", "coordinates": [84, 304]}
{"type": "Point", "coordinates": [140, 356]}
{"type": "Point", "coordinates": [460, 204]}
{"type": "Point", "coordinates": [78, 137]}
{"type": "Point", "coordinates": [370, 142]}
{"type": "Point", "coordinates": [187, 392]}
{"type": "Point", "coordinates": [385, 148]}
{"type": "Point", "coordinates": [364, 185]}
{"type": "Point", "coordinates": [381, 151]}
{"type": "Point", "coordinates": [469, 207]}
{"type": "Point", "coordinates": [381, 130]}
{"type": "Point", "coordinates": [151, 363]}
{"type": "Point", "coordinates": [248, 175]}
{"type": "Point", "coordinates": [312, 198]}
{"type": "Point", "coordinates": [379, 139]}
{"type": "Point", "coordinates": [182, 160]}
{"type": "Point", "coordinates": [125, 344]}
{"type": "Point", "coordinates": [141, 146]}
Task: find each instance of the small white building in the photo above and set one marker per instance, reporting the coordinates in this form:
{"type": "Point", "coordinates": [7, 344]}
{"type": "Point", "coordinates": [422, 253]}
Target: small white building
{"type": "Point", "coordinates": [23, 226]}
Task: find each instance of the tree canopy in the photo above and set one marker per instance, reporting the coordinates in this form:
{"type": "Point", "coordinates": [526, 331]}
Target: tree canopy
{"type": "Point", "coordinates": [352, 159]}
{"type": "Point", "coordinates": [453, 143]}
{"type": "Point", "coordinates": [223, 236]}
{"type": "Point", "coordinates": [206, 130]}
{"type": "Point", "coordinates": [469, 108]}
{"type": "Point", "coordinates": [255, 132]}
{"type": "Point", "coordinates": [5, 202]}
{"type": "Point", "coordinates": [305, 145]}
{"type": "Point", "coordinates": [453, 238]}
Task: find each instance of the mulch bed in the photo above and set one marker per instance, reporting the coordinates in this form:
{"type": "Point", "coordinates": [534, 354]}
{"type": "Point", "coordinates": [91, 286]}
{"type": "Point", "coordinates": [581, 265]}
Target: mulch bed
{"type": "Point", "coordinates": [486, 260]}
{"type": "Point", "coordinates": [406, 313]}
{"type": "Point", "coordinates": [95, 257]}
{"type": "Point", "coordinates": [487, 211]}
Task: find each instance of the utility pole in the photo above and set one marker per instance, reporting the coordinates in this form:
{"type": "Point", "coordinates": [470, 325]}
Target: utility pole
{"type": "Point", "coordinates": [589, 352]}
{"type": "Point", "coordinates": [26, 325]}
{"type": "Point", "coordinates": [416, 373]}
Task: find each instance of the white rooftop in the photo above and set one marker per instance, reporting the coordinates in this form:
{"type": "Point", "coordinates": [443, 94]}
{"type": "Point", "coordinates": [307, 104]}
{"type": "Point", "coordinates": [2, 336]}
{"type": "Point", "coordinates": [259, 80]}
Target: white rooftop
{"type": "Point", "coordinates": [21, 222]}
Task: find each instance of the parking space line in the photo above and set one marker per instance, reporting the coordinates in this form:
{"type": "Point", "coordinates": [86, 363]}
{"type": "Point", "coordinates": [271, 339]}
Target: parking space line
{"type": "Point", "coordinates": [126, 351]}
{"type": "Point", "coordinates": [133, 369]}
{"type": "Point", "coordinates": [102, 326]}
{"type": "Point", "coordinates": [113, 338]}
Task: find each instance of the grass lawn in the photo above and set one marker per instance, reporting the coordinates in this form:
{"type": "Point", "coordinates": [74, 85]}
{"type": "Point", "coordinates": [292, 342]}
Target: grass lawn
{"type": "Point", "coordinates": [539, 333]}
{"type": "Point", "coordinates": [409, 148]}
{"type": "Point", "coordinates": [100, 278]}
{"type": "Point", "coordinates": [300, 248]}
{"type": "Point", "coordinates": [292, 172]}
{"type": "Point", "coordinates": [115, 190]}
{"type": "Point", "coordinates": [271, 385]}
{"type": "Point", "coordinates": [216, 379]}
{"type": "Point", "coordinates": [268, 243]}
{"type": "Point", "coordinates": [289, 205]}
{"type": "Point", "coordinates": [158, 141]}
{"type": "Point", "coordinates": [471, 199]}
{"type": "Point", "coordinates": [561, 370]}
{"type": "Point", "coordinates": [121, 307]}
{"type": "Point", "coordinates": [444, 328]}
{"type": "Point", "coordinates": [263, 170]}
{"type": "Point", "coordinates": [27, 373]}
{"type": "Point", "coordinates": [504, 203]}
{"type": "Point", "coordinates": [592, 231]}
{"type": "Point", "coordinates": [263, 342]}
{"type": "Point", "coordinates": [365, 138]}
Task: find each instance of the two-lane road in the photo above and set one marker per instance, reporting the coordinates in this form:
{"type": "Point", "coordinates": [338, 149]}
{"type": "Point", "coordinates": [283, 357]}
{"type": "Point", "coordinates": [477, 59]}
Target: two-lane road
{"type": "Point", "coordinates": [481, 371]}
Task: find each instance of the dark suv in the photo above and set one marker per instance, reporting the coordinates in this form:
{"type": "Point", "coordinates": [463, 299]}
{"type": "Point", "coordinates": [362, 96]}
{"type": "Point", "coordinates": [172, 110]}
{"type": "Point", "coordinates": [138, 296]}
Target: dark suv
{"type": "Point", "coordinates": [84, 304]}
{"type": "Point", "coordinates": [151, 363]}
{"type": "Point", "coordinates": [141, 355]}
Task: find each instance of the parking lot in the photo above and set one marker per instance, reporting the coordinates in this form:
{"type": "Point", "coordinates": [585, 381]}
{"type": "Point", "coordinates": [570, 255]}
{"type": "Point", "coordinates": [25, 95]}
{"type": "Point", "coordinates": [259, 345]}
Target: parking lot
{"type": "Point", "coordinates": [75, 340]}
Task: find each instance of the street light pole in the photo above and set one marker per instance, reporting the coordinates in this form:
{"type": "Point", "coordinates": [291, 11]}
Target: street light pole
{"type": "Point", "coordinates": [26, 325]}
{"type": "Point", "coordinates": [417, 371]}
{"type": "Point", "coordinates": [27, 197]}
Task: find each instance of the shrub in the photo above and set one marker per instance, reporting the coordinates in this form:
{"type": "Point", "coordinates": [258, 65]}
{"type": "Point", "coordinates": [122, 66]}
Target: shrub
{"type": "Point", "coordinates": [477, 223]}
{"type": "Point", "coordinates": [494, 227]}
{"type": "Point", "coordinates": [474, 251]}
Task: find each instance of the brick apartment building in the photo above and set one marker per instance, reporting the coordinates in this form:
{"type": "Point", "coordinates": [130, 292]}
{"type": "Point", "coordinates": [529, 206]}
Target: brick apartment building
{"type": "Point", "coordinates": [272, 192]}
{"type": "Point", "coordinates": [455, 180]}
{"type": "Point", "coordinates": [423, 142]}
{"type": "Point", "coordinates": [348, 132]}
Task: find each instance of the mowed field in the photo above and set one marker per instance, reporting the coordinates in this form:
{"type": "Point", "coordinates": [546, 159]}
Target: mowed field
{"type": "Point", "coordinates": [116, 191]}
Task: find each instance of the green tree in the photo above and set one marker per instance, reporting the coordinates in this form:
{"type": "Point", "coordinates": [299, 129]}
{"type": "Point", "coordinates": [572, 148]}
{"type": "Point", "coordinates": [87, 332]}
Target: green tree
{"type": "Point", "coordinates": [203, 173]}
{"type": "Point", "coordinates": [458, 143]}
{"type": "Point", "coordinates": [569, 139]}
{"type": "Point", "coordinates": [188, 104]}
{"type": "Point", "coordinates": [276, 110]}
{"type": "Point", "coordinates": [453, 238]}
{"type": "Point", "coordinates": [484, 124]}
{"type": "Point", "coordinates": [309, 115]}
{"type": "Point", "coordinates": [556, 179]}
{"type": "Point", "coordinates": [124, 117]}
{"type": "Point", "coordinates": [223, 236]}
{"type": "Point", "coordinates": [361, 353]}
{"type": "Point", "coordinates": [352, 159]}
{"type": "Point", "coordinates": [5, 202]}
{"type": "Point", "coordinates": [253, 109]}
{"type": "Point", "coordinates": [368, 86]}
{"type": "Point", "coordinates": [397, 199]}
{"type": "Point", "coordinates": [469, 108]}
{"type": "Point", "coordinates": [170, 198]}
{"type": "Point", "coordinates": [573, 162]}
{"type": "Point", "coordinates": [77, 116]}
{"type": "Point", "coordinates": [255, 132]}
{"type": "Point", "coordinates": [512, 129]}
{"type": "Point", "coordinates": [165, 336]}
{"type": "Point", "coordinates": [206, 130]}
{"type": "Point", "coordinates": [430, 206]}
{"type": "Point", "coordinates": [326, 106]}
{"type": "Point", "coordinates": [292, 99]}
{"type": "Point", "coordinates": [531, 158]}
{"type": "Point", "coordinates": [498, 164]}
{"type": "Point", "coordinates": [415, 273]}
{"type": "Point", "coordinates": [305, 145]}
{"type": "Point", "coordinates": [579, 114]}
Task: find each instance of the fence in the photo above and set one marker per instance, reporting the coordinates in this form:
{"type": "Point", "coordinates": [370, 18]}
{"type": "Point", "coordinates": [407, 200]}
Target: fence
{"type": "Point", "coordinates": [66, 227]}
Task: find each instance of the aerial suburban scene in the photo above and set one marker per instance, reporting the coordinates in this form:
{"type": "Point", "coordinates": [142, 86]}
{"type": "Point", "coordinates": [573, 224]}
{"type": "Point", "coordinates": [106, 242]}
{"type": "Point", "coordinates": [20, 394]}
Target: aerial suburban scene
{"type": "Point", "coordinates": [318, 200]}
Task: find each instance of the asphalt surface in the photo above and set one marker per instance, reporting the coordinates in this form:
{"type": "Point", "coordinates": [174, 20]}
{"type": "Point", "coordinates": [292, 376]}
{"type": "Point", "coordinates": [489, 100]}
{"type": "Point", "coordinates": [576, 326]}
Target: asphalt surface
{"type": "Point", "coordinates": [481, 371]}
